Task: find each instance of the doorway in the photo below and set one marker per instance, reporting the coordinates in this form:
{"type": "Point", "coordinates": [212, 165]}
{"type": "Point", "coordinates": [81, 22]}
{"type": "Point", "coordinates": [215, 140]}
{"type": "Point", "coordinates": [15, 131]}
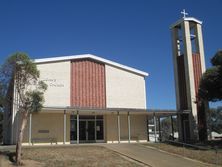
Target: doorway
{"type": "Point", "coordinates": [90, 129]}
{"type": "Point", "coordinates": [86, 131]}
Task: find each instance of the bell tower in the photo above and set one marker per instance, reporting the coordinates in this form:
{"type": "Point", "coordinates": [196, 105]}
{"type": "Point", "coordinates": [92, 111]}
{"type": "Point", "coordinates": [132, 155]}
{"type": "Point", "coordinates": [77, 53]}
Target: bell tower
{"type": "Point", "coordinates": [189, 65]}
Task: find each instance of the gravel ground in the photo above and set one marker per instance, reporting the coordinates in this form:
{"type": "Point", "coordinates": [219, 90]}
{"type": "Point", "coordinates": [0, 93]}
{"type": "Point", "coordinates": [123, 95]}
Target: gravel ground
{"type": "Point", "coordinates": [68, 156]}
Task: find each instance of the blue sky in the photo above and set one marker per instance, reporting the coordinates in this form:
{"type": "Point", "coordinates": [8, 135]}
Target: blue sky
{"type": "Point", "coordinates": [132, 32]}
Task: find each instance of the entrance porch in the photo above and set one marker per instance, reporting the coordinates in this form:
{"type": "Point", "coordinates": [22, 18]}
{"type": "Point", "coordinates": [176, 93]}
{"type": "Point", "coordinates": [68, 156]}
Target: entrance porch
{"type": "Point", "coordinates": [78, 125]}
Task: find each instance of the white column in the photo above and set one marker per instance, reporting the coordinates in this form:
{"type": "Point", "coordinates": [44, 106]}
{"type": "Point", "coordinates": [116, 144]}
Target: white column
{"type": "Point", "coordinates": [174, 34]}
{"type": "Point", "coordinates": [154, 121]}
{"type": "Point", "coordinates": [129, 130]}
{"type": "Point", "coordinates": [30, 128]}
{"type": "Point", "coordinates": [118, 124]}
{"type": "Point", "coordinates": [200, 46]}
{"type": "Point", "coordinates": [77, 127]}
{"type": "Point", "coordinates": [188, 64]}
{"type": "Point", "coordinates": [64, 125]}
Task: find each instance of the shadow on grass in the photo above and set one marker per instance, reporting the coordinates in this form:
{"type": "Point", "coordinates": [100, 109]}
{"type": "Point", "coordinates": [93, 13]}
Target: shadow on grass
{"type": "Point", "coordinates": [10, 155]}
{"type": "Point", "coordinates": [215, 143]}
{"type": "Point", "coordinates": [209, 145]}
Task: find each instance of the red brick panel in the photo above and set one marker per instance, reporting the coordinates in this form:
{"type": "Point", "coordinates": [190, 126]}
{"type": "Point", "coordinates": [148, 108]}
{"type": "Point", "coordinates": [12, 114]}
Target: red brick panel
{"type": "Point", "coordinates": [182, 83]}
{"type": "Point", "coordinates": [88, 84]}
{"type": "Point", "coordinates": [200, 107]}
{"type": "Point", "coordinates": [196, 70]}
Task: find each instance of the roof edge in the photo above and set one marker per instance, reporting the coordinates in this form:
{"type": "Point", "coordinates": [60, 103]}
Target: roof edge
{"type": "Point", "coordinates": [186, 19]}
{"type": "Point", "coordinates": [108, 62]}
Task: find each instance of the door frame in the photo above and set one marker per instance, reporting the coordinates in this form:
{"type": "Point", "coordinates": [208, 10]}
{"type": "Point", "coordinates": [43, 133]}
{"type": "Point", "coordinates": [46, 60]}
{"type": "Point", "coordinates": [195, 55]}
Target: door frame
{"type": "Point", "coordinates": [87, 120]}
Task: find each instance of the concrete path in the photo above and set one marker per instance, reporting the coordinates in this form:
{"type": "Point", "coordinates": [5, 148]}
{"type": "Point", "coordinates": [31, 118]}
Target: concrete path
{"type": "Point", "coordinates": [7, 147]}
{"type": "Point", "coordinates": [152, 157]}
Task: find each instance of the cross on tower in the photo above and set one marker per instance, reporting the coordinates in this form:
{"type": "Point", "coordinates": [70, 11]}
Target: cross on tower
{"type": "Point", "coordinates": [184, 13]}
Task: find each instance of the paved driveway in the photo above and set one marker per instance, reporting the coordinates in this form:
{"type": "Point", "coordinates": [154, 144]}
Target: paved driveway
{"type": "Point", "coordinates": [153, 157]}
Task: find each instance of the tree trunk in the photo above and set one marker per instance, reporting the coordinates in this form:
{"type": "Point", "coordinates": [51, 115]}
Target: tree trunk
{"type": "Point", "coordinates": [202, 125]}
{"type": "Point", "coordinates": [20, 138]}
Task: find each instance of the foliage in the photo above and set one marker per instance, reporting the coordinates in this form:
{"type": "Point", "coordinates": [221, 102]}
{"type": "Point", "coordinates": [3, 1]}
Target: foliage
{"type": "Point", "coordinates": [20, 69]}
{"type": "Point", "coordinates": [1, 126]}
{"type": "Point", "coordinates": [1, 115]}
{"type": "Point", "coordinates": [217, 59]}
{"type": "Point", "coordinates": [1, 94]}
{"type": "Point", "coordinates": [210, 87]}
{"type": "Point", "coordinates": [19, 75]}
{"type": "Point", "coordinates": [215, 119]}
{"type": "Point", "coordinates": [166, 127]}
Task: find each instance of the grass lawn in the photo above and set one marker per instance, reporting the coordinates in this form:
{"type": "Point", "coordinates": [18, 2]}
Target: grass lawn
{"type": "Point", "coordinates": [68, 156]}
{"type": "Point", "coordinates": [208, 156]}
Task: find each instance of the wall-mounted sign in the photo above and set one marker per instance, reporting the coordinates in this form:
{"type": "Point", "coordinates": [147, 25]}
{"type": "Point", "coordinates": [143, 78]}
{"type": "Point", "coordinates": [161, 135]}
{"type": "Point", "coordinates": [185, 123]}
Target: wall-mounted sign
{"type": "Point", "coordinates": [43, 131]}
{"type": "Point", "coordinates": [51, 82]}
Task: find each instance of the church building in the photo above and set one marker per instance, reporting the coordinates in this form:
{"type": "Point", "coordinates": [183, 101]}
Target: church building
{"type": "Point", "coordinates": [91, 99]}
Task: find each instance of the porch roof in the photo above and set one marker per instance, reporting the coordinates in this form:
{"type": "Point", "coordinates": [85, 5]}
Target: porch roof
{"type": "Point", "coordinates": [132, 111]}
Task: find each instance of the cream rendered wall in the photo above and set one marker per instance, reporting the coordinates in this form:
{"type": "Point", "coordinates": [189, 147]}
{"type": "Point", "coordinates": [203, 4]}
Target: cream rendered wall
{"type": "Point", "coordinates": [111, 129]}
{"type": "Point", "coordinates": [53, 122]}
{"type": "Point", "coordinates": [57, 76]}
{"type": "Point", "coordinates": [124, 134]}
{"type": "Point", "coordinates": [138, 128]}
{"type": "Point", "coordinates": [124, 89]}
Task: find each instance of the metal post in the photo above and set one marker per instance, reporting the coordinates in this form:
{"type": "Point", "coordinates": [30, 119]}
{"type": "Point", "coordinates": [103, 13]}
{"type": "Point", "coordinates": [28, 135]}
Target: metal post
{"type": "Point", "coordinates": [129, 130]}
{"type": "Point", "coordinates": [64, 126]}
{"type": "Point", "coordinates": [180, 125]}
{"type": "Point", "coordinates": [160, 134]}
{"type": "Point", "coordinates": [154, 121]}
{"type": "Point", "coordinates": [147, 128]}
{"type": "Point", "coordinates": [118, 124]}
{"type": "Point", "coordinates": [95, 129]}
{"type": "Point", "coordinates": [30, 128]}
{"type": "Point", "coordinates": [77, 127]}
{"type": "Point", "coordinates": [172, 126]}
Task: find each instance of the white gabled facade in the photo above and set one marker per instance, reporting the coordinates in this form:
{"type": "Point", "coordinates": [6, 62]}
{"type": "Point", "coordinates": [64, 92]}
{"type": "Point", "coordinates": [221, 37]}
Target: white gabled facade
{"type": "Point", "coordinates": [123, 86]}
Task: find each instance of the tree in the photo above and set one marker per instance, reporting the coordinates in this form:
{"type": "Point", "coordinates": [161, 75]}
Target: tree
{"type": "Point", "coordinates": [1, 95]}
{"type": "Point", "coordinates": [166, 129]}
{"type": "Point", "coordinates": [1, 126]}
{"type": "Point", "coordinates": [210, 87]}
{"type": "Point", "coordinates": [21, 74]}
{"type": "Point", "coordinates": [215, 119]}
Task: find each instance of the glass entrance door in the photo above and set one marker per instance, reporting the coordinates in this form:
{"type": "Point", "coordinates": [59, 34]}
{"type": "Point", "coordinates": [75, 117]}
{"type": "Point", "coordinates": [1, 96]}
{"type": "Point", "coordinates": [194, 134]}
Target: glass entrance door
{"type": "Point", "coordinates": [90, 129]}
{"type": "Point", "coordinates": [86, 131]}
{"type": "Point", "coordinates": [82, 130]}
{"type": "Point", "coordinates": [73, 130]}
